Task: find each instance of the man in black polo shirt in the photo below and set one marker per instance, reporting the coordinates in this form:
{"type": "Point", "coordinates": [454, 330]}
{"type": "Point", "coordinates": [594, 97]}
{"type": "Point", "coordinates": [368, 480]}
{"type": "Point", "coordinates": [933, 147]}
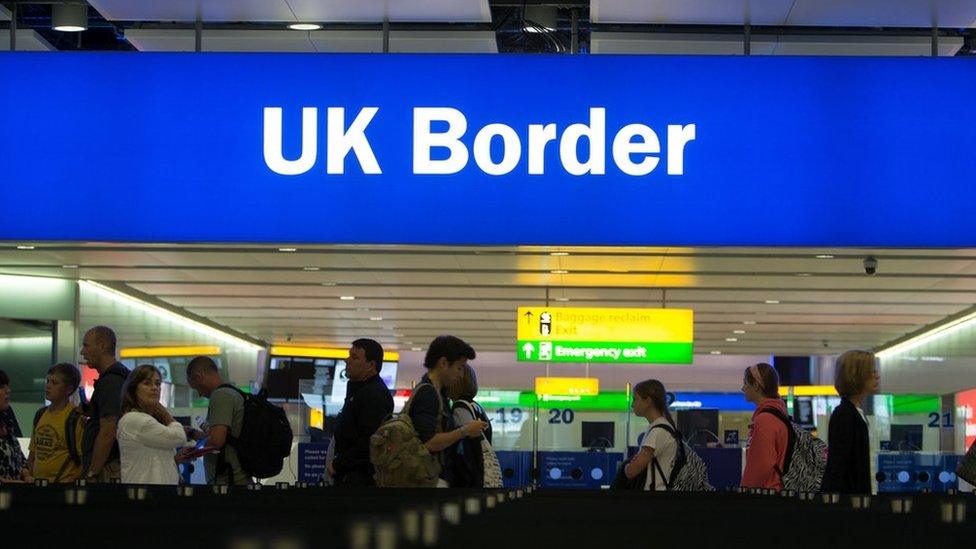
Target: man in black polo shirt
{"type": "Point", "coordinates": [368, 402]}
{"type": "Point", "coordinates": [99, 448]}
{"type": "Point", "coordinates": [430, 410]}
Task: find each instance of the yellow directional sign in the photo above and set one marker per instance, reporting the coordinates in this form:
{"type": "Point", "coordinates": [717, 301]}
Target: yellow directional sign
{"type": "Point", "coordinates": [567, 386]}
{"type": "Point", "coordinates": [575, 334]}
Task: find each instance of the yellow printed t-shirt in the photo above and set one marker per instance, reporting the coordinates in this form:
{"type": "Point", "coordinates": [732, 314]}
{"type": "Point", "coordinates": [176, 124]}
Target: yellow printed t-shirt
{"type": "Point", "coordinates": [50, 447]}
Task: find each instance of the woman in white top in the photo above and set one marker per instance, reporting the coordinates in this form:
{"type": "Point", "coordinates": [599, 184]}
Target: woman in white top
{"type": "Point", "coordinates": [659, 446]}
{"type": "Point", "coordinates": [148, 435]}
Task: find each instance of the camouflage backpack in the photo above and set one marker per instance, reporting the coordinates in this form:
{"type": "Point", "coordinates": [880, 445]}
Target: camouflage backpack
{"type": "Point", "coordinates": [401, 460]}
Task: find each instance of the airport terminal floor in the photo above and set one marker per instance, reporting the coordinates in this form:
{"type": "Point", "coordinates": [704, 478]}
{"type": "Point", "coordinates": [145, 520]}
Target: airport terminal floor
{"type": "Point", "coordinates": [604, 272]}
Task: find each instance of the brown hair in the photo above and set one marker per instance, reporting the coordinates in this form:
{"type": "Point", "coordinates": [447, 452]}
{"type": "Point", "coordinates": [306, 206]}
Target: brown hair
{"type": "Point", "coordinates": [68, 373]}
{"type": "Point", "coordinates": [130, 402]}
{"type": "Point", "coordinates": [654, 390]}
{"type": "Point", "coordinates": [768, 376]}
{"type": "Point", "coordinates": [466, 388]}
{"type": "Point", "coordinates": [852, 371]}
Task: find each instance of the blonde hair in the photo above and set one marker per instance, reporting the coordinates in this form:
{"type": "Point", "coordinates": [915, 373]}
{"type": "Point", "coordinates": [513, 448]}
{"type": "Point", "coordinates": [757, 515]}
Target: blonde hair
{"type": "Point", "coordinates": [852, 371]}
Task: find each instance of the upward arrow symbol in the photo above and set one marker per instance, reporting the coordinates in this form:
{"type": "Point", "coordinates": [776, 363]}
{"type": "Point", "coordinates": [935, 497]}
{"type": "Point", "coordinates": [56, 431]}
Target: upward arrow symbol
{"type": "Point", "coordinates": [528, 317]}
{"type": "Point", "coordinates": [528, 349]}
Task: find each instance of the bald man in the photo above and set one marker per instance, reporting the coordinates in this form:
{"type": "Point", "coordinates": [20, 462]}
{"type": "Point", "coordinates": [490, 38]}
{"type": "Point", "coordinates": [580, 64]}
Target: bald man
{"type": "Point", "coordinates": [100, 450]}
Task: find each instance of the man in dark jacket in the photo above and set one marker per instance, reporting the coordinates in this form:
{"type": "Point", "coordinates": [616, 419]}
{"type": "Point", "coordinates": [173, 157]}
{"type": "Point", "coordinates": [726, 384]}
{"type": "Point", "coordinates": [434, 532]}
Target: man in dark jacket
{"type": "Point", "coordinates": [368, 402]}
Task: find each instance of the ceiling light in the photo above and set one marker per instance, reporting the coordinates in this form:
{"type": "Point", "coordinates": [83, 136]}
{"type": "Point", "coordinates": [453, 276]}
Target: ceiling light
{"type": "Point", "coordinates": [304, 26]}
{"type": "Point", "coordinates": [310, 268]}
{"type": "Point", "coordinates": [559, 272]}
{"type": "Point", "coordinates": [347, 297]}
{"type": "Point", "coordinates": [25, 247]}
{"type": "Point", "coordinates": [715, 352]}
{"type": "Point", "coordinates": [328, 283]}
{"type": "Point", "coordinates": [738, 331]}
{"type": "Point", "coordinates": [562, 299]}
{"type": "Point", "coordinates": [69, 17]}
{"type": "Point", "coordinates": [772, 301]}
{"type": "Point", "coordinates": [69, 266]}
{"type": "Point", "coordinates": [376, 318]}
{"type": "Point", "coordinates": [825, 256]}
{"type": "Point", "coordinates": [749, 322]}
{"type": "Point", "coordinates": [558, 254]}
{"type": "Point", "coordinates": [803, 274]}
{"type": "Point", "coordinates": [731, 339]}
{"type": "Point", "coordinates": [416, 349]}
{"type": "Point", "coordinates": [287, 249]}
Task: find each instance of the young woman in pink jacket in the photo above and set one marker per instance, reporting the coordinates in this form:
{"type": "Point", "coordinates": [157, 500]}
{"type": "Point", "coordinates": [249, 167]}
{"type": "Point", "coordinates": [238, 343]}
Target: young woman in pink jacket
{"type": "Point", "coordinates": [768, 435]}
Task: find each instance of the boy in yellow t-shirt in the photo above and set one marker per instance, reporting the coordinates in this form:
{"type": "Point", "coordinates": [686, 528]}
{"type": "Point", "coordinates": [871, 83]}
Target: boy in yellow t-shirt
{"type": "Point", "coordinates": [55, 446]}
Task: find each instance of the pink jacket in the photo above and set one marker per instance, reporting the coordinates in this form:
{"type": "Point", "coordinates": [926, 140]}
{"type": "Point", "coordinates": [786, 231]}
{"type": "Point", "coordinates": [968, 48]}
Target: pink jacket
{"type": "Point", "coordinates": [768, 439]}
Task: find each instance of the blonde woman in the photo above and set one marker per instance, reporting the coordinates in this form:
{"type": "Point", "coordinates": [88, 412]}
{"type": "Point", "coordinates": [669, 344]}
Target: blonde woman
{"type": "Point", "coordinates": [848, 449]}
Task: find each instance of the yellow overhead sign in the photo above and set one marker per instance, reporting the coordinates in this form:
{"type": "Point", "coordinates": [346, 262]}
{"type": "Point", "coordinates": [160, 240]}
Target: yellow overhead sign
{"type": "Point", "coordinates": [154, 352]}
{"type": "Point", "coordinates": [576, 334]}
{"type": "Point", "coordinates": [319, 352]}
{"type": "Point", "coordinates": [567, 386]}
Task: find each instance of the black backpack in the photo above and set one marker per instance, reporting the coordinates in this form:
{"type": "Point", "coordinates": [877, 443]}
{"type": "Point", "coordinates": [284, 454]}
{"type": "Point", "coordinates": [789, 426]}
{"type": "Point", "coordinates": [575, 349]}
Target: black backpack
{"type": "Point", "coordinates": [70, 439]}
{"type": "Point", "coordinates": [266, 436]}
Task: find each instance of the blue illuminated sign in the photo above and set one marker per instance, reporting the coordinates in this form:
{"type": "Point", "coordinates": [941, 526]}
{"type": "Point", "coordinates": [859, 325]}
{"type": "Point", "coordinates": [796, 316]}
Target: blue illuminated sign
{"type": "Point", "coordinates": [487, 149]}
{"type": "Point", "coordinates": [727, 402]}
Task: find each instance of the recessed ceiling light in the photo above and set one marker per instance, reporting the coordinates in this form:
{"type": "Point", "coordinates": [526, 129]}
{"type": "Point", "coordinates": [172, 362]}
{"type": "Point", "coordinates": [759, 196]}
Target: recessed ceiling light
{"type": "Point", "coordinates": [408, 342]}
{"type": "Point", "coordinates": [376, 318]}
{"type": "Point", "coordinates": [738, 331]}
{"type": "Point", "coordinates": [310, 268]}
{"type": "Point", "coordinates": [347, 297]}
{"type": "Point", "coordinates": [304, 26]}
{"type": "Point", "coordinates": [328, 283]}
{"type": "Point", "coordinates": [25, 247]}
{"type": "Point", "coordinates": [731, 339]}
{"type": "Point", "coordinates": [749, 322]}
{"type": "Point", "coordinates": [715, 352]}
{"type": "Point", "coordinates": [562, 299]}
{"type": "Point", "coordinates": [772, 301]}
{"type": "Point", "coordinates": [825, 256]}
{"type": "Point", "coordinates": [559, 254]}
{"type": "Point", "coordinates": [69, 17]}
{"type": "Point", "coordinates": [559, 272]}
{"type": "Point", "coordinates": [287, 249]}
{"type": "Point", "coordinates": [803, 274]}
{"type": "Point", "coordinates": [416, 349]}
{"type": "Point", "coordinates": [69, 266]}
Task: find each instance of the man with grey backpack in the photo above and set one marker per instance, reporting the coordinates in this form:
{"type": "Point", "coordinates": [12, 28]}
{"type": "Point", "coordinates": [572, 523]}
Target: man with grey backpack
{"type": "Point", "coordinates": [413, 448]}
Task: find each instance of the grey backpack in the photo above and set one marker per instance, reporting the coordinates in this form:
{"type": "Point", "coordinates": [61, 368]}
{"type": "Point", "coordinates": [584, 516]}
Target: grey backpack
{"type": "Point", "coordinates": [806, 457]}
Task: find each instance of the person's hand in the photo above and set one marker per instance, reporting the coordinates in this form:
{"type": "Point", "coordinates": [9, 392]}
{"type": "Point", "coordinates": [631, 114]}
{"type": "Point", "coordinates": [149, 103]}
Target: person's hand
{"type": "Point", "coordinates": [474, 428]}
{"type": "Point", "coordinates": [184, 455]}
{"type": "Point", "coordinates": [160, 412]}
{"type": "Point", "coordinates": [194, 434]}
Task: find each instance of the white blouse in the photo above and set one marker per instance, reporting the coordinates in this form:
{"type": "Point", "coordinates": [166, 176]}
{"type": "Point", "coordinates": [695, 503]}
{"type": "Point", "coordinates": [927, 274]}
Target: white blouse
{"type": "Point", "coordinates": [147, 449]}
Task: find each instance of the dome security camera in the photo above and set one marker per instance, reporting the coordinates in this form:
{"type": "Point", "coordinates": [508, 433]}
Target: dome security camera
{"type": "Point", "coordinates": [870, 265]}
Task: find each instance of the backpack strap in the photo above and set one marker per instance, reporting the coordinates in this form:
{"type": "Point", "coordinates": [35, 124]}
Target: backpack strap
{"type": "Point", "coordinates": [790, 439]}
{"type": "Point", "coordinates": [70, 437]}
{"type": "Point", "coordinates": [678, 455]}
{"type": "Point", "coordinates": [440, 404]}
{"type": "Point", "coordinates": [474, 413]}
{"type": "Point", "coordinates": [38, 414]}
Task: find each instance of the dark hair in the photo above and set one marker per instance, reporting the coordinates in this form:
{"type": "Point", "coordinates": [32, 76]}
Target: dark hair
{"type": "Point", "coordinates": [450, 347]}
{"type": "Point", "coordinates": [654, 390]}
{"type": "Point", "coordinates": [106, 335]}
{"type": "Point", "coordinates": [204, 362]}
{"type": "Point", "coordinates": [141, 373]}
{"type": "Point", "coordinates": [467, 387]}
{"type": "Point", "coordinates": [372, 349]}
{"type": "Point", "coordinates": [769, 377]}
{"type": "Point", "coordinates": [4, 379]}
{"type": "Point", "coordinates": [68, 373]}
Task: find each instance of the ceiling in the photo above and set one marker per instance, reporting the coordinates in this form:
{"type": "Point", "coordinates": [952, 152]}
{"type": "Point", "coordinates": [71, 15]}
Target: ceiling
{"type": "Point", "coordinates": [785, 301]}
{"type": "Point", "coordinates": [700, 27]}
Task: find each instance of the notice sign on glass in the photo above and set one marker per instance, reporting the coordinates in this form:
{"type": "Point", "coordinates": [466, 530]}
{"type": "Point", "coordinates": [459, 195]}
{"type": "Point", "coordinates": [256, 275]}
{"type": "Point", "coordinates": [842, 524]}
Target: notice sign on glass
{"type": "Point", "coordinates": [574, 334]}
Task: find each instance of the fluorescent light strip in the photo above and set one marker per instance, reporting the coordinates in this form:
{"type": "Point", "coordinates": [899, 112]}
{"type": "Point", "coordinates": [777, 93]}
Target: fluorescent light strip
{"type": "Point", "coordinates": [928, 337]}
{"type": "Point", "coordinates": [160, 312]}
